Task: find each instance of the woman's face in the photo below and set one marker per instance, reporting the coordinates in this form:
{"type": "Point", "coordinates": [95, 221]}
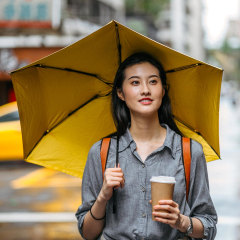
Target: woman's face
{"type": "Point", "coordinates": [142, 89]}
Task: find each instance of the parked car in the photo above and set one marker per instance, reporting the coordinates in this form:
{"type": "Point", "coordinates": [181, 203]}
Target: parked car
{"type": "Point", "coordinates": [10, 133]}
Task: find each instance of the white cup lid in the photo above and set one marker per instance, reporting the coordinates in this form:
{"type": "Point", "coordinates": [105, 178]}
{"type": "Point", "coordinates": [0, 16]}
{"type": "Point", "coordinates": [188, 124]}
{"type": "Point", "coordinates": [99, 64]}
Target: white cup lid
{"type": "Point", "coordinates": [163, 179]}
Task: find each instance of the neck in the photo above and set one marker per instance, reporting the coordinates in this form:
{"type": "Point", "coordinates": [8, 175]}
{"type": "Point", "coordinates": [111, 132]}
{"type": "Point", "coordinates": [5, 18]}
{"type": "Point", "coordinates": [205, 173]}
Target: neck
{"type": "Point", "coordinates": [146, 129]}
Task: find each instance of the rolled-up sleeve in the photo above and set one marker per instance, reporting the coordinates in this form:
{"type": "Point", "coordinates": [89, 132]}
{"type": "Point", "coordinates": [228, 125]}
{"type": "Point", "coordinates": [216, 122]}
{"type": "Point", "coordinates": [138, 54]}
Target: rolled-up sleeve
{"type": "Point", "coordinates": [91, 183]}
{"type": "Point", "coordinates": [200, 201]}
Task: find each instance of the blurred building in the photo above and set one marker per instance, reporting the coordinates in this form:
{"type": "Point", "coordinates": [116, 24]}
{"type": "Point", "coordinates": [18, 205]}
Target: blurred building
{"type": "Point", "coordinates": [180, 27]}
{"type": "Point", "coordinates": [33, 29]}
{"type": "Point", "coordinates": [229, 53]}
{"type": "Point", "coordinates": [233, 33]}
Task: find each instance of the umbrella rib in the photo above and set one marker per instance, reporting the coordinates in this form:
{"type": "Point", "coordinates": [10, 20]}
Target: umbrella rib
{"type": "Point", "coordinates": [197, 132]}
{"type": "Point", "coordinates": [183, 68]}
{"type": "Point", "coordinates": [119, 47]}
{"type": "Point", "coordinates": [188, 126]}
{"type": "Point", "coordinates": [72, 70]}
{"type": "Point", "coordinates": [214, 151]}
{"type": "Point", "coordinates": [81, 106]}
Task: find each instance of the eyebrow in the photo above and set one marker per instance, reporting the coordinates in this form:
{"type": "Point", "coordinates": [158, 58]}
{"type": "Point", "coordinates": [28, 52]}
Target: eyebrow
{"type": "Point", "coordinates": [148, 77]}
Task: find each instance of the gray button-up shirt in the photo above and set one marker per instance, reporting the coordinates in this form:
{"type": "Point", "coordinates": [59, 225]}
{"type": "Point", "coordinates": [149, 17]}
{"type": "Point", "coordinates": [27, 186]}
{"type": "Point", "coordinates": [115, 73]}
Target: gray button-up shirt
{"type": "Point", "coordinates": [133, 219]}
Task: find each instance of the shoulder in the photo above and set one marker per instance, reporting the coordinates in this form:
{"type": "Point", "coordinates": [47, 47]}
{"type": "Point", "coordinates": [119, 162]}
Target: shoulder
{"type": "Point", "coordinates": [175, 142]}
{"type": "Point", "coordinates": [196, 148]}
{"type": "Point", "coordinates": [198, 157]}
{"type": "Point", "coordinates": [94, 152]}
{"type": "Point", "coordinates": [96, 147]}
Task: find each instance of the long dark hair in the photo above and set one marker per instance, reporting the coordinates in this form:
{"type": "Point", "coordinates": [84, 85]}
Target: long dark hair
{"type": "Point", "coordinates": [120, 110]}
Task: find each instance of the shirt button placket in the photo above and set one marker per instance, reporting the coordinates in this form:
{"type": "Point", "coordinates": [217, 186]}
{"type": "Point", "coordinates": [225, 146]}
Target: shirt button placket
{"type": "Point", "coordinates": [142, 170]}
{"type": "Point", "coordinates": [143, 189]}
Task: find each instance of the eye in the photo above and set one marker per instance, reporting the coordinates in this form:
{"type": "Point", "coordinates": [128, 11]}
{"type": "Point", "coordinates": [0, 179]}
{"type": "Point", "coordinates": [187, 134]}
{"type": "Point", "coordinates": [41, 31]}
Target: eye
{"type": "Point", "coordinates": [153, 81]}
{"type": "Point", "coordinates": [135, 82]}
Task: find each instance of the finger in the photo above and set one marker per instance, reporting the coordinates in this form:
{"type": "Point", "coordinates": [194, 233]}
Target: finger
{"type": "Point", "coordinates": [168, 202]}
{"type": "Point", "coordinates": [113, 184]}
{"type": "Point", "coordinates": [173, 219]}
{"type": "Point", "coordinates": [115, 174]}
{"type": "Point", "coordinates": [150, 201]}
{"type": "Point", "coordinates": [164, 220]}
{"type": "Point", "coordinates": [114, 169]}
{"type": "Point", "coordinates": [120, 174]}
{"type": "Point", "coordinates": [165, 215]}
{"type": "Point", "coordinates": [167, 208]}
{"type": "Point", "coordinates": [112, 178]}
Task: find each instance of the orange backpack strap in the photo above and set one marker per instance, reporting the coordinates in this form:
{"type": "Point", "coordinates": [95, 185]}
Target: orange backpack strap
{"type": "Point", "coordinates": [186, 150]}
{"type": "Point", "coordinates": [104, 153]}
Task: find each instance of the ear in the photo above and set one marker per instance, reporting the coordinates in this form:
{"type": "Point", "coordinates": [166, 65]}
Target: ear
{"type": "Point", "coordinates": [163, 92]}
{"type": "Point", "coordinates": [120, 94]}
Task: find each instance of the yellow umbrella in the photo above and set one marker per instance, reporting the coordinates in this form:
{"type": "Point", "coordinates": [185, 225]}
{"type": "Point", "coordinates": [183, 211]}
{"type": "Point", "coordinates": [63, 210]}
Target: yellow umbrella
{"type": "Point", "coordinates": [64, 99]}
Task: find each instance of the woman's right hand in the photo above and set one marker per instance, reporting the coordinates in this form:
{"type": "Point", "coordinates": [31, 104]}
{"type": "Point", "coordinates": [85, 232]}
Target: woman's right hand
{"type": "Point", "coordinates": [113, 179]}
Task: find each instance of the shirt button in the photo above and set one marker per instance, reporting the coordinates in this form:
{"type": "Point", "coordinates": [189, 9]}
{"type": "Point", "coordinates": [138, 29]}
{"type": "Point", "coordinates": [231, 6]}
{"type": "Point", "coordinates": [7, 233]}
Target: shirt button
{"type": "Point", "coordinates": [143, 165]}
{"type": "Point", "coordinates": [143, 215]}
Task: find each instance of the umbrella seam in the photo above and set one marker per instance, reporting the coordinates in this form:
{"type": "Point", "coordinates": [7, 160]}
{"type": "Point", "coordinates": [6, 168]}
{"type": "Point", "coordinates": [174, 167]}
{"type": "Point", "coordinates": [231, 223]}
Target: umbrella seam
{"type": "Point", "coordinates": [183, 68]}
{"type": "Point", "coordinates": [119, 47]}
{"type": "Point", "coordinates": [73, 70]}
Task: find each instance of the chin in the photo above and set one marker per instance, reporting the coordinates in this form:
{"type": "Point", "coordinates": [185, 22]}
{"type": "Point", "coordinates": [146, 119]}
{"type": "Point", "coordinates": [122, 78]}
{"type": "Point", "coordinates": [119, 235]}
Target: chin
{"type": "Point", "coordinates": [146, 113]}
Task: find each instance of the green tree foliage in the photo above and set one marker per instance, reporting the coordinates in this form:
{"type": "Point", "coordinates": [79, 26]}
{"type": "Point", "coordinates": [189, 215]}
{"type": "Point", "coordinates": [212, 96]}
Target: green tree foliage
{"type": "Point", "coordinates": [146, 7]}
{"type": "Point", "coordinates": [231, 60]}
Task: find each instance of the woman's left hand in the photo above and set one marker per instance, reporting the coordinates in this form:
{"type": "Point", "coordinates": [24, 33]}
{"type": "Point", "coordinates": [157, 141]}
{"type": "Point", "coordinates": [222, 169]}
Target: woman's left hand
{"type": "Point", "coordinates": [171, 215]}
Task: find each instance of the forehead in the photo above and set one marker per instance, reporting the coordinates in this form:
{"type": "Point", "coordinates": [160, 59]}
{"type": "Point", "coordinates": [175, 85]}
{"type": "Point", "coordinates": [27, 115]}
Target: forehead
{"type": "Point", "coordinates": [141, 68]}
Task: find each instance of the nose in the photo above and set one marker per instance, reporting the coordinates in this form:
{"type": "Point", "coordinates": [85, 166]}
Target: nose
{"type": "Point", "coordinates": [145, 89]}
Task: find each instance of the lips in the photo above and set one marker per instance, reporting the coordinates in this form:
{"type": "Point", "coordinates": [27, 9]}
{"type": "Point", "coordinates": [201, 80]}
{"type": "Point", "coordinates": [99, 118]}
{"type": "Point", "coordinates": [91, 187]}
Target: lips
{"type": "Point", "coordinates": [145, 100]}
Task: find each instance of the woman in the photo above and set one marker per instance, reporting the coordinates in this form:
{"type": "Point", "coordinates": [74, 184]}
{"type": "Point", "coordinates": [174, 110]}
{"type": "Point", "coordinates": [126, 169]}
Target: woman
{"type": "Point", "coordinates": [148, 144]}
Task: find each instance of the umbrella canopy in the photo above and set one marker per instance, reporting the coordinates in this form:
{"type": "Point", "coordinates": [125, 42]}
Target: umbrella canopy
{"type": "Point", "coordinates": [64, 99]}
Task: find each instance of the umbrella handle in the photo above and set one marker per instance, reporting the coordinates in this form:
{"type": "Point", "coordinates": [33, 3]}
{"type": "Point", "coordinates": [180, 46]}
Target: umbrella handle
{"type": "Point", "coordinates": [117, 148]}
{"type": "Point", "coordinates": [114, 201]}
{"type": "Point", "coordinates": [115, 190]}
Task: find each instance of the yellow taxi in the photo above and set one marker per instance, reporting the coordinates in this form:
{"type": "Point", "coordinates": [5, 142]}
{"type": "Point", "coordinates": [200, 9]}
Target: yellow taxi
{"type": "Point", "coordinates": [10, 133]}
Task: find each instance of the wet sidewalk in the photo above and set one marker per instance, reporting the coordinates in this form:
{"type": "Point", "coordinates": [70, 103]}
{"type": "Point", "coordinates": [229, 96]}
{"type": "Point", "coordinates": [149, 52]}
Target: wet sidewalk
{"type": "Point", "coordinates": [224, 174]}
{"type": "Point", "coordinates": [37, 203]}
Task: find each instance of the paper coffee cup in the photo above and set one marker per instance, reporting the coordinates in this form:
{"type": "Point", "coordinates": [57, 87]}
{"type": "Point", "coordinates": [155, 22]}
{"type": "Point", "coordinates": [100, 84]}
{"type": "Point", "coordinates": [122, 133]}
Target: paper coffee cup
{"type": "Point", "coordinates": [161, 189]}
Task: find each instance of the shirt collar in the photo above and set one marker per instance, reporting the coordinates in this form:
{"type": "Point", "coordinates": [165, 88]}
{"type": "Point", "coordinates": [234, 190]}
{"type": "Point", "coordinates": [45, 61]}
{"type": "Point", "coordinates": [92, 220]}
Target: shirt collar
{"type": "Point", "coordinates": [169, 140]}
{"type": "Point", "coordinates": [126, 140]}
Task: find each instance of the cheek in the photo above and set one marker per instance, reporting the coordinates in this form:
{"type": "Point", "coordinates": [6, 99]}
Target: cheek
{"type": "Point", "coordinates": [159, 95]}
{"type": "Point", "coordinates": [130, 93]}
{"type": "Point", "coordinates": [160, 92]}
